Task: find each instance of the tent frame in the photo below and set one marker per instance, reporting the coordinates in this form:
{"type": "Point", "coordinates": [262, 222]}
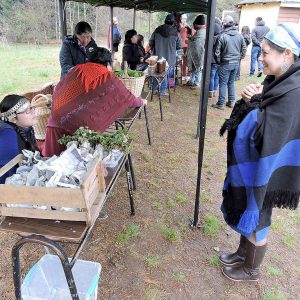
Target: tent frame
{"type": "Point", "coordinates": [207, 7]}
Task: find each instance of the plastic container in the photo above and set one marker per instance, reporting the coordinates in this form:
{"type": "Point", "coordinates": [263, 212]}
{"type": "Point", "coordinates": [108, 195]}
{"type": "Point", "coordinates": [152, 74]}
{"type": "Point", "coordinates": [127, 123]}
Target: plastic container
{"type": "Point", "coordinates": [46, 280]}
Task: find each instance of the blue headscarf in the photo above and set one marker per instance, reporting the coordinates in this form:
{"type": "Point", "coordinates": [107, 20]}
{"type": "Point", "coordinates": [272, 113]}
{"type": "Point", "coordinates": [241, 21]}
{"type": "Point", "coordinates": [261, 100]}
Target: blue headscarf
{"type": "Point", "coordinates": [286, 36]}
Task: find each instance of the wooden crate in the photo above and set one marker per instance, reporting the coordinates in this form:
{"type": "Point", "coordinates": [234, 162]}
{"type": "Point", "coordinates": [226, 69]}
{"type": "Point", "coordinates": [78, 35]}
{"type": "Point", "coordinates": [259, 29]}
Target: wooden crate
{"type": "Point", "coordinates": [89, 198]}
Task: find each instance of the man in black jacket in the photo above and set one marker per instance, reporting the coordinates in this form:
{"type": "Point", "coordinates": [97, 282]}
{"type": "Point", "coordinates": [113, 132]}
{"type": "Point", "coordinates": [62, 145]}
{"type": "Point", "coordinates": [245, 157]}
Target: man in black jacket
{"type": "Point", "coordinates": [230, 49]}
{"type": "Point", "coordinates": [76, 49]}
{"type": "Point", "coordinates": [257, 35]}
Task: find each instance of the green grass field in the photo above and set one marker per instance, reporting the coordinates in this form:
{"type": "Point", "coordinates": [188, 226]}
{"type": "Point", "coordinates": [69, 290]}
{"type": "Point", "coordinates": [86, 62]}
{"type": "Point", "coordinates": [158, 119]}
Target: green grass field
{"type": "Point", "coordinates": [27, 68]}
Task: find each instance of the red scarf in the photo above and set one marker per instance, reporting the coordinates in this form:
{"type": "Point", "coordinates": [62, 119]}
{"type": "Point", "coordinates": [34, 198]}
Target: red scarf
{"type": "Point", "coordinates": [92, 75]}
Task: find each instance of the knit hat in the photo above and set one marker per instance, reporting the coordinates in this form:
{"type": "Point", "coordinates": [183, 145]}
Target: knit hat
{"type": "Point", "coordinates": [286, 36]}
{"type": "Point", "coordinates": [200, 20]}
{"type": "Point", "coordinates": [170, 19]}
{"type": "Point", "coordinates": [228, 20]}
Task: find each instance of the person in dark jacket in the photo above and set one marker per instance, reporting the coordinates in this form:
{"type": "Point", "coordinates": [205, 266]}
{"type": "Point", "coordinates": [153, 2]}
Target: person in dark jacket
{"type": "Point", "coordinates": [246, 35]}
{"type": "Point", "coordinates": [214, 71]}
{"type": "Point", "coordinates": [77, 48]}
{"type": "Point", "coordinates": [131, 50]}
{"type": "Point", "coordinates": [142, 50]}
{"type": "Point", "coordinates": [16, 133]}
{"type": "Point", "coordinates": [257, 35]}
{"type": "Point", "coordinates": [164, 42]}
{"type": "Point", "coordinates": [230, 49]}
{"type": "Point", "coordinates": [263, 162]}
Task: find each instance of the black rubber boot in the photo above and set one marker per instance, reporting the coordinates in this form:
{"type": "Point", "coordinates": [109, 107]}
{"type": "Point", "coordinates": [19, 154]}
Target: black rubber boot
{"type": "Point", "coordinates": [237, 257]}
{"type": "Point", "coordinates": [249, 271]}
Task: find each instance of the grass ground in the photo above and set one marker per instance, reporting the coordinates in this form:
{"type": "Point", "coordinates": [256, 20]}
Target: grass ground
{"type": "Point", "coordinates": [156, 255]}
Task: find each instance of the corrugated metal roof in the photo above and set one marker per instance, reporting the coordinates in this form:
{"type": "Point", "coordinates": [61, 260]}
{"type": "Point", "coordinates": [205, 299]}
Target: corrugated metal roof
{"type": "Point", "coordinates": [199, 6]}
{"type": "Point", "coordinates": [257, 1]}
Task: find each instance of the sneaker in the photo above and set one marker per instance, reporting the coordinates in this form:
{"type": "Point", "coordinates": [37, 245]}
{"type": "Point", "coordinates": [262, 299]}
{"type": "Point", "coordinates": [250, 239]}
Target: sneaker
{"type": "Point", "coordinates": [218, 106]}
{"type": "Point", "coordinates": [165, 94]}
{"type": "Point", "coordinates": [215, 94]}
{"type": "Point", "coordinates": [195, 86]}
{"type": "Point", "coordinates": [230, 104]}
{"type": "Point", "coordinates": [210, 94]}
{"type": "Point", "coordinates": [189, 83]}
{"type": "Point", "coordinates": [259, 74]}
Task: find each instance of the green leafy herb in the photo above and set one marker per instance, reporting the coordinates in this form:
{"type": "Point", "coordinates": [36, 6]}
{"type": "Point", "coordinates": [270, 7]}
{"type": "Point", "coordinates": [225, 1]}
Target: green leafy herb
{"type": "Point", "coordinates": [118, 140]}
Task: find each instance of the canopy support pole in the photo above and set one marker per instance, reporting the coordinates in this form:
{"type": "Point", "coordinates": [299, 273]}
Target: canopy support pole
{"type": "Point", "coordinates": [134, 18]}
{"type": "Point", "coordinates": [149, 25]}
{"type": "Point", "coordinates": [111, 27]}
{"type": "Point", "coordinates": [63, 19]}
{"type": "Point", "coordinates": [201, 126]}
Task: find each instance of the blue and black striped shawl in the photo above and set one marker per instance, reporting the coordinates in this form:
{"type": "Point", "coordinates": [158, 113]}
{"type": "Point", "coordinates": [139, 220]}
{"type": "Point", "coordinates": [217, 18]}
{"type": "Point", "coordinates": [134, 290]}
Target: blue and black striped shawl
{"type": "Point", "coordinates": [263, 154]}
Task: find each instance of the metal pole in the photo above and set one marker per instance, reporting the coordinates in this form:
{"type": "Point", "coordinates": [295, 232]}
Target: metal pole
{"type": "Point", "coordinates": [134, 18]}
{"type": "Point", "coordinates": [62, 17]}
{"type": "Point", "coordinates": [204, 100]}
{"type": "Point", "coordinates": [149, 24]}
{"type": "Point", "coordinates": [111, 28]}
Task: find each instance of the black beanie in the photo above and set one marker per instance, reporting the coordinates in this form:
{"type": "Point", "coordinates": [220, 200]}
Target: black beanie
{"type": "Point", "coordinates": [170, 19]}
{"type": "Point", "coordinates": [200, 20]}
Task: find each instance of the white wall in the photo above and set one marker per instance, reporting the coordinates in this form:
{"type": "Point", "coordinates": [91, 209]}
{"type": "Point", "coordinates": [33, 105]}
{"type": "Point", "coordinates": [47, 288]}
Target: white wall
{"type": "Point", "coordinates": [268, 11]}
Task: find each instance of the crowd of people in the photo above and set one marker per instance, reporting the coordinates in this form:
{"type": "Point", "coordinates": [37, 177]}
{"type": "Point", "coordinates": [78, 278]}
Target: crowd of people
{"type": "Point", "coordinates": [263, 129]}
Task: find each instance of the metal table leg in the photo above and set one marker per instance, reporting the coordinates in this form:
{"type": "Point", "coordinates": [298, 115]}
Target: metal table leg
{"type": "Point", "coordinates": [169, 87]}
{"type": "Point", "coordinates": [130, 190]}
{"type": "Point", "coordinates": [147, 124]}
{"type": "Point", "coordinates": [37, 239]}
{"type": "Point", "coordinates": [132, 172]}
{"type": "Point", "coordinates": [160, 106]}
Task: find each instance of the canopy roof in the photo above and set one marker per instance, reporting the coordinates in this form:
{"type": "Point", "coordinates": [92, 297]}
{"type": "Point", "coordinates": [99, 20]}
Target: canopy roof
{"type": "Point", "coordinates": [199, 6]}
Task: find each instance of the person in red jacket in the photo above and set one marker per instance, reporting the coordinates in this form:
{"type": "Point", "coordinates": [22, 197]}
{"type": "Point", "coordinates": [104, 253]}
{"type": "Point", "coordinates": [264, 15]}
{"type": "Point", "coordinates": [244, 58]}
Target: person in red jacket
{"type": "Point", "coordinates": [89, 95]}
{"type": "Point", "coordinates": [185, 33]}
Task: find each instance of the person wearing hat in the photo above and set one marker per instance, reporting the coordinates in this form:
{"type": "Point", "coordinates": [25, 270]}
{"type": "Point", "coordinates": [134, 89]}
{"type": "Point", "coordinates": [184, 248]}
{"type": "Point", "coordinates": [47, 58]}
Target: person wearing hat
{"type": "Point", "coordinates": [77, 48]}
{"type": "Point", "coordinates": [185, 33]}
{"type": "Point", "coordinates": [195, 52]}
{"type": "Point", "coordinates": [257, 36]}
{"type": "Point", "coordinates": [230, 49]}
{"type": "Point", "coordinates": [263, 161]}
{"type": "Point", "coordinates": [164, 42]}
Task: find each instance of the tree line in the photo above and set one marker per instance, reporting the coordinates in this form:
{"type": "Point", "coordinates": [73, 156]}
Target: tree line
{"type": "Point", "coordinates": [37, 21]}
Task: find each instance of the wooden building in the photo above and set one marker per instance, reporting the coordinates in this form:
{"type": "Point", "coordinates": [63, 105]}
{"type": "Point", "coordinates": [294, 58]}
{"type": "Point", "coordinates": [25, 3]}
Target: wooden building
{"type": "Point", "coordinates": [272, 12]}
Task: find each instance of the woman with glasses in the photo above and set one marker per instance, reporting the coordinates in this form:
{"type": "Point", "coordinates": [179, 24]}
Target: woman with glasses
{"type": "Point", "coordinates": [16, 133]}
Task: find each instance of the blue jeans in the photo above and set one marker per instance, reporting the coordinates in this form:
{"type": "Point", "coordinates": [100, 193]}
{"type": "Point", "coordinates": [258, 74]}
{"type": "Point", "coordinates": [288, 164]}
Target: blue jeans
{"type": "Point", "coordinates": [255, 54]}
{"type": "Point", "coordinates": [195, 77]}
{"type": "Point", "coordinates": [227, 73]}
{"type": "Point", "coordinates": [214, 77]}
{"type": "Point", "coordinates": [164, 85]}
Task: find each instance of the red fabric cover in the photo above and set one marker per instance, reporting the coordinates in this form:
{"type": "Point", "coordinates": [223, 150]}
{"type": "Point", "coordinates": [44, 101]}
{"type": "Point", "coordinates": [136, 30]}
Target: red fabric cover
{"type": "Point", "coordinates": [89, 95]}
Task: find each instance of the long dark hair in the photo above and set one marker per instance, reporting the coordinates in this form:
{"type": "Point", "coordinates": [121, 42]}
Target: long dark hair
{"type": "Point", "coordinates": [9, 102]}
{"type": "Point", "coordinates": [245, 30]}
{"type": "Point", "coordinates": [129, 34]}
{"type": "Point", "coordinates": [28, 139]}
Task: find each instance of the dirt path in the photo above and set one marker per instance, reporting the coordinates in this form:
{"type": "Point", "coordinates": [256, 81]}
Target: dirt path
{"type": "Point", "coordinates": [155, 255]}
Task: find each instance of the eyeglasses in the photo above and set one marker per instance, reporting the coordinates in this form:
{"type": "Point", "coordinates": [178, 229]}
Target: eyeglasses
{"type": "Point", "coordinates": [28, 111]}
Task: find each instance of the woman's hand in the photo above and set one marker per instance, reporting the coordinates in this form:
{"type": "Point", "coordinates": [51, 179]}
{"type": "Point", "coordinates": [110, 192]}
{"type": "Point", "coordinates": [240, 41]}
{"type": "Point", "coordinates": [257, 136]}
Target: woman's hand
{"type": "Point", "coordinates": [251, 90]}
{"type": "Point", "coordinates": [144, 101]}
